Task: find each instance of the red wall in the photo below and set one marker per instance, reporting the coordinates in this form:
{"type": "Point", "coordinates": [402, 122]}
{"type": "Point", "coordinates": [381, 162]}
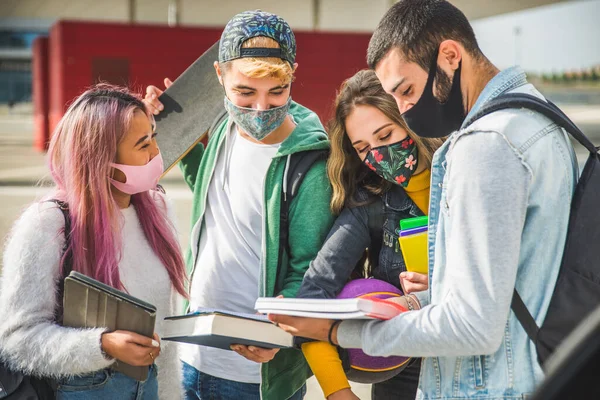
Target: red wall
{"type": "Point", "coordinates": [155, 52]}
{"type": "Point", "coordinates": [40, 92]}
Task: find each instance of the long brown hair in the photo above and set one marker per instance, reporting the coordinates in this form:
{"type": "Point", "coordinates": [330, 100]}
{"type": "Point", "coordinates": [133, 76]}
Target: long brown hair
{"type": "Point", "coordinates": [344, 167]}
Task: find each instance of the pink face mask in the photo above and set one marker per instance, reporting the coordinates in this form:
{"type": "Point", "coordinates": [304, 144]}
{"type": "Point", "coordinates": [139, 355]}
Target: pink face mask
{"type": "Point", "coordinates": [139, 178]}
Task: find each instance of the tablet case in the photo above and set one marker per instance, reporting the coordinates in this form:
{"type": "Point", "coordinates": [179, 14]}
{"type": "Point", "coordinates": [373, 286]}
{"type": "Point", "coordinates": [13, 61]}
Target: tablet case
{"type": "Point", "coordinates": [89, 303]}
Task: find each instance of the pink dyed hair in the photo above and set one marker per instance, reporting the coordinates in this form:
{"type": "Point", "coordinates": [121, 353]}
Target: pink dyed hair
{"type": "Point", "coordinates": [81, 150]}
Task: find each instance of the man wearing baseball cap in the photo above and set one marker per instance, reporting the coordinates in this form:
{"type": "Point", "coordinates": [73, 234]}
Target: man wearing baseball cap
{"type": "Point", "coordinates": [237, 182]}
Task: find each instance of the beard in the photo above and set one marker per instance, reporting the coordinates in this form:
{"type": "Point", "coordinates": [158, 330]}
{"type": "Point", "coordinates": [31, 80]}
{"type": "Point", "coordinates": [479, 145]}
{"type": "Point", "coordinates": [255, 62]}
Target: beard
{"type": "Point", "coordinates": [443, 85]}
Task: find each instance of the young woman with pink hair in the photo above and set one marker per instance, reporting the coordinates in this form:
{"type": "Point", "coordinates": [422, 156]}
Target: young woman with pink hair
{"type": "Point", "coordinates": [105, 162]}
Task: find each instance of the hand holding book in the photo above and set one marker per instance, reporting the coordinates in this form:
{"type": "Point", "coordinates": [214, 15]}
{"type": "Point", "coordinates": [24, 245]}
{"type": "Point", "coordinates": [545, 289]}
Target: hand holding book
{"type": "Point", "coordinates": [311, 328]}
{"type": "Point", "coordinates": [253, 353]}
{"type": "Point", "coordinates": [316, 319]}
{"type": "Point", "coordinates": [256, 354]}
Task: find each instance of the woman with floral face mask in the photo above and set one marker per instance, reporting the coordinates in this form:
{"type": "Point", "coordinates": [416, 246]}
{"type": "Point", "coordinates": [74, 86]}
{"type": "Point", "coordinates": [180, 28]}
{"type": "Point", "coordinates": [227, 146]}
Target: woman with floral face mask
{"type": "Point", "coordinates": [379, 171]}
{"type": "Point", "coordinates": [105, 163]}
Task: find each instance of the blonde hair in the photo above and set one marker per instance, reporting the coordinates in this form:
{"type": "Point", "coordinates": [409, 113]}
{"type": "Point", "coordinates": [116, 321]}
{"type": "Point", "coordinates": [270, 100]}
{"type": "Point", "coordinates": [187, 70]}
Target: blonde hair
{"type": "Point", "coordinates": [345, 169]}
{"type": "Point", "coordinates": [263, 67]}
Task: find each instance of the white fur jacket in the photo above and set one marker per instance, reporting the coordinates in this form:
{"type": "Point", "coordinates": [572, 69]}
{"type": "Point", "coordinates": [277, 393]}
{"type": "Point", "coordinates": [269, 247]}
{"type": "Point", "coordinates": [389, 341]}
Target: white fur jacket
{"type": "Point", "coordinates": [29, 339]}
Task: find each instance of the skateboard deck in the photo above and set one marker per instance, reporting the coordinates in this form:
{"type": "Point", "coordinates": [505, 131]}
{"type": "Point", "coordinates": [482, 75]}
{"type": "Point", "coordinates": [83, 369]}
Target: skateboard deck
{"type": "Point", "coordinates": [193, 107]}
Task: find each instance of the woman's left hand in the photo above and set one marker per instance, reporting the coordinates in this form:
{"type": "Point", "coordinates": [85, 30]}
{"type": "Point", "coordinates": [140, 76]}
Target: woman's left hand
{"type": "Point", "coordinates": [312, 328]}
{"type": "Point", "coordinates": [412, 282]}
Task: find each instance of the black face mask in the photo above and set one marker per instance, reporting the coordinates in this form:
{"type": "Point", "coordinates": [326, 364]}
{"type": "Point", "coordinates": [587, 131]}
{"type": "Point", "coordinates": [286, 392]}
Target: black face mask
{"type": "Point", "coordinates": [431, 119]}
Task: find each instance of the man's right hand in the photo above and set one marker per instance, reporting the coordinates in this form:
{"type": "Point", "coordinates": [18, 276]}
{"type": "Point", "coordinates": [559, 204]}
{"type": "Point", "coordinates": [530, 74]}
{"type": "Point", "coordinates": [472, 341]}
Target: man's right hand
{"type": "Point", "coordinates": [131, 348]}
{"type": "Point", "coordinates": [151, 98]}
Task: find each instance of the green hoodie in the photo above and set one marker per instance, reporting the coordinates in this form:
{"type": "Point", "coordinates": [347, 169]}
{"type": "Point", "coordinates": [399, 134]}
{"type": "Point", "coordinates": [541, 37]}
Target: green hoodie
{"type": "Point", "coordinates": [309, 222]}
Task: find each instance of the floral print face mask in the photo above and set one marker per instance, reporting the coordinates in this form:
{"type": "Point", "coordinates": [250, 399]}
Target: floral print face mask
{"type": "Point", "coordinates": [257, 123]}
{"type": "Point", "coordinates": [394, 162]}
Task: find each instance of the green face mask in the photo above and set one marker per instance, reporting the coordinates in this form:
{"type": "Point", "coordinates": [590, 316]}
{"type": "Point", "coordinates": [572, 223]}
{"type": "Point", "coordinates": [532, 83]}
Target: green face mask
{"type": "Point", "coordinates": [394, 162]}
{"type": "Point", "coordinates": [258, 123]}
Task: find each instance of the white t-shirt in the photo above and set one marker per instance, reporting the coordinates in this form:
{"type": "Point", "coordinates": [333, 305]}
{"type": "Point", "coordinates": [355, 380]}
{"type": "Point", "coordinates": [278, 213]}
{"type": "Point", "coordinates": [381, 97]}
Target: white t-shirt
{"type": "Point", "coordinates": [228, 265]}
{"type": "Point", "coordinates": [144, 276]}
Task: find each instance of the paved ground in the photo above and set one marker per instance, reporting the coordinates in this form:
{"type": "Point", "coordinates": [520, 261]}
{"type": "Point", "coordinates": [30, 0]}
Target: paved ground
{"type": "Point", "coordinates": [24, 178]}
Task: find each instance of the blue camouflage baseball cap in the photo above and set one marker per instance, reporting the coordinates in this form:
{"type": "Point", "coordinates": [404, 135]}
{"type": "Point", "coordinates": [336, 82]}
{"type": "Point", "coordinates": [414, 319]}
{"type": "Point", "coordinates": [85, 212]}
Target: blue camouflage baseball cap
{"type": "Point", "coordinates": [249, 24]}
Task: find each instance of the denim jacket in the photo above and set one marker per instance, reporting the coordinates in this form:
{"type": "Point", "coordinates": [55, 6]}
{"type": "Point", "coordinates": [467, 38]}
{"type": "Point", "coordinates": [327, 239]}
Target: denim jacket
{"type": "Point", "coordinates": [351, 234]}
{"type": "Point", "coordinates": [501, 191]}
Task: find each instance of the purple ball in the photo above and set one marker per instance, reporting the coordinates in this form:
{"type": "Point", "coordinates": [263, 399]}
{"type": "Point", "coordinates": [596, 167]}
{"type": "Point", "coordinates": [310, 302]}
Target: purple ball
{"type": "Point", "coordinates": [359, 366]}
{"type": "Point", "coordinates": [369, 288]}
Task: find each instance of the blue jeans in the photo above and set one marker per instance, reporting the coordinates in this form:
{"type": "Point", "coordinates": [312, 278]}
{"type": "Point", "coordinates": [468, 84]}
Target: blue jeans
{"type": "Point", "coordinates": [200, 386]}
{"type": "Point", "coordinates": [108, 384]}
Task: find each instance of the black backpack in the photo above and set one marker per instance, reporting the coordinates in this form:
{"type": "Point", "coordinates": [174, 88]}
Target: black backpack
{"type": "Point", "coordinates": [577, 291]}
{"type": "Point", "coordinates": [572, 371]}
{"type": "Point", "coordinates": [15, 385]}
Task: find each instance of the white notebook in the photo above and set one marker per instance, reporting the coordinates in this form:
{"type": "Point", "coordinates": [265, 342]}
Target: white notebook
{"type": "Point", "coordinates": [359, 308]}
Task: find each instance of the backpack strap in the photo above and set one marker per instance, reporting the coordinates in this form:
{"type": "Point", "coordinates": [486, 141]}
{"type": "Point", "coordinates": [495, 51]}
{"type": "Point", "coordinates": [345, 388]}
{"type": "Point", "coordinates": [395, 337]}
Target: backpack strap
{"type": "Point", "coordinates": [546, 108]}
{"type": "Point", "coordinates": [375, 225]}
{"type": "Point", "coordinates": [524, 316]}
{"type": "Point", "coordinates": [556, 115]}
{"type": "Point", "coordinates": [298, 165]}
{"type": "Point", "coordinates": [67, 265]}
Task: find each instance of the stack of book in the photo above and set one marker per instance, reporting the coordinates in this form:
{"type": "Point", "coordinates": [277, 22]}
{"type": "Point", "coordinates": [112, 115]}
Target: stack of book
{"type": "Point", "coordinates": [414, 243]}
{"type": "Point", "coordinates": [221, 328]}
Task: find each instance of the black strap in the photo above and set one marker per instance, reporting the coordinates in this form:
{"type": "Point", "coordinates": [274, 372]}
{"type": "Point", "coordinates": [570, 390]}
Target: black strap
{"type": "Point", "coordinates": [556, 115]}
{"type": "Point", "coordinates": [68, 256]}
{"type": "Point", "coordinates": [217, 122]}
{"type": "Point", "coordinates": [298, 165]}
{"type": "Point", "coordinates": [261, 52]}
{"type": "Point", "coordinates": [67, 265]}
{"type": "Point", "coordinates": [375, 225]}
{"type": "Point", "coordinates": [547, 109]}
{"type": "Point", "coordinates": [524, 316]}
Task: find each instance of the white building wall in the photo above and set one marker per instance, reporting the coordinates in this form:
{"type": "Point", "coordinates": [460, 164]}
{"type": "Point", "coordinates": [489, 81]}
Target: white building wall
{"type": "Point", "coordinates": [100, 10]}
{"type": "Point", "coordinates": [351, 15]}
{"type": "Point", "coordinates": [361, 15]}
{"type": "Point", "coordinates": [551, 38]}
{"type": "Point", "coordinates": [151, 11]}
{"type": "Point", "coordinates": [217, 12]}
